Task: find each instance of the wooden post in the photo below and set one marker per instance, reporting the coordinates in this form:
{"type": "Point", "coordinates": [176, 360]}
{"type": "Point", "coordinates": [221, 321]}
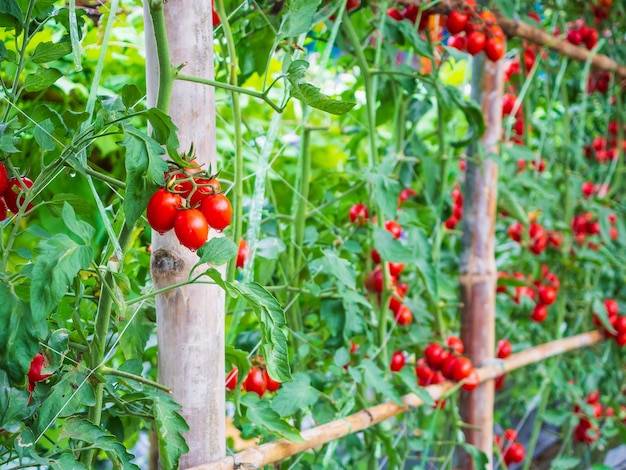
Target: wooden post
{"type": "Point", "coordinates": [190, 320]}
{"type": "Point", "coordinates": [478, 267]}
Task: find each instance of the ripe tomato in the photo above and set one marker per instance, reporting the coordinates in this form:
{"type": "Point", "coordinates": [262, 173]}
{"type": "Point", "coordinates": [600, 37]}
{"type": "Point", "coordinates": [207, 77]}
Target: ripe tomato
{"type": "Point", "coordinates": [620, 324]}
{"type": "Point", "coordinates": [375, 255]}
{"type": "Point", "coordinates": [255, 381]}
{"type": "Point", "coordinates": [540, 313]}
{"type": "Point", "coordinates": [612, 309]}
{"type": "Point", "coordinates": [395, 14]}
{"type": "Point", "coordinates": [494, 48]}
{"type": "Point", "coordinates": [398, 360]}
{"type": "Point", "coordinates": [405, 194]}
{"type": "Point", "coordinates": [547, 295]}
{"type": "Point", "coordinates": [3, 209]}
{"type": "Point", "coordinates": [14, 194]}
{"type": "Point", "coordinates": [272, 385]}
{"type": "Point", "coordinates": [352, 4]}
{"type": "Point", "coordinates": [456, 22]}
{"type": "Point", "coordinates": [424, 373]}
{"type": "Point", "coordinates": [232, 378]}
{"type": "Point", "coordinates": [463, 367]}
{"type": "Point", "coordinates": [183, 188]}
{"type": "Point", "coordinates": [516, 230]}
{"type": "Point", "coordinates": [217, 211]}
{"type": "Point", "coordinates": [374, 281]}
{"type": "Point", "coordinates": [403, 316]}
{"type": "Point", "coordinates": [455, 343]}
{"type": "Point", "coordinates": [34, 372]}
{"type": "Point", "coordinates": [216, 19]}
{"type": "Point", "coordinates": [515, 453]}
{"type": "Point", "coordinates": [504, 349]}
{"type": "Point", "coordinates": [204, 187]}
{"type": "Point", "coordinates": [394, 228]}
{"type": "Point", "coordinates": [243, 253]}
{"type": "Point", "coordinates": [396, 268]}
{"type": "Point", "coordinates": [475, 42]}
{"type": "Point", "coordinates": [447, 366]}
{"type": "Point", "coordinates": [509, 100]}
{"type": "Point", "coordinates": [510, 435]}
{"type": "Point", "coordinates": [434, 354]}
{"type": "Point", "coordinates": [471, 381]}
{"type": "Point", "coordinates": [358, 212]}
{"type": "Point", "coordinates": [162, 210]}
{"type": "Point", "coordinates": [488, 17]}
{"type": "Point", "coordinates": [4, 179]}
{"type": "Point", "coordinates": [457, 42]}
{"type": "Point", "coordinates": [191, 228]}
{"type": "Point", "coordinates": [588, 188]}
{"type": "Point", "coordinates": [499, 381]}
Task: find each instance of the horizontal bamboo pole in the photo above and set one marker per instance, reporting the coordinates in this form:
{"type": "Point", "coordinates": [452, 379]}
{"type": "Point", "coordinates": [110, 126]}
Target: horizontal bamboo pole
{"type": "Point", "coordinates": [538, 36]}
{"type": "Point", "coordinates": [275, 451]}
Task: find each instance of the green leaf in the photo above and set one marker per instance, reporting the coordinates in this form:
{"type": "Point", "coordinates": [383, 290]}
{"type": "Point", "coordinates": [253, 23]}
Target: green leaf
{"type": "Point", "coordinates": [407, 375]}
{"type": "Point", "coordinates": [507, 8]}
{"type": "Point", "coordinates": [131, 95]}
{"type": "Point", "coordinates": [479, 458]}
{"type": "Point", "coordinates": [164, 132]}
{"type": "Point", "coordinates": [472, 112]}
{"type": "Point", "coordinates": [294, 396]}
{"type": "Point", "coordinates": [239, 359]}
{"type": "Point", "coordinates": [389, 248]}
{"type": "Point", "coordinates": [13, 405]}
{"type": "Point", "coordinates": [82, 430]}
{"type": "Point", "coordinates": [310, 94]}
{"type": "Point", "coordinates": [375, 378]}
{"type": "Point", "coordinates": [407, 29]}
{"type": "Point", "coordinates": [65, 461]}
{"type": "Point", "coordinates": [67, 397]}
{"type": "Point", "coordinates": [298, 18]}
{"type": "Point", "coordinates": [19, 335]}
{"type": "Point", "coordinates": [3, 52]}
{"type": "Point", "coordinates": [59, 260]}
{"type": "Point", "coordinates": [260, 413]}
{"type": "Point", "coordinates": [511, 204]}
{"type": "Point", "coordinates": [144, 171]}
{"type": "Point", "coordinates": [78, 203]}
{"type": "Point", "coordinates": [354, 305]}
{"type": "Point", "coordinates": [340, 268]}
{"type": "Point", "coordinates": [48, 51]}
{"type": "Point", "coordinates": [137, 331]}
{"type": "Point", "coordinates": [217, 251]}
{"type": "Point", "coordinates": [10, 13]}
{"type": "Point", "coordinates": [271, 319]}
{"type": "Point", "coordinates": [41, 79]}
{"type": "Point", "coordinates": [565, 463]}
{"type": "Point", "coordinates": [385, 189]}
{"type": "Point", "coordinates": [43, 133]}
{"type": "Point", "coordinates": [169, 426]}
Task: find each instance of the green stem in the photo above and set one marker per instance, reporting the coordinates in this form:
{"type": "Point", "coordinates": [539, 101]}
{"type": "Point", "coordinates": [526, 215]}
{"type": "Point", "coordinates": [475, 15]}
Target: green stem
{"type": "Point", "coordinates": [166, 71]}
{"type": "Point", "coordinates": [101, 329]}
{"type": "Point", "coordinates": [229, 87]}
{"type": "Point", "coordinates": [237, 199]}
{"type": "Point", "coordinates": [138, 378]}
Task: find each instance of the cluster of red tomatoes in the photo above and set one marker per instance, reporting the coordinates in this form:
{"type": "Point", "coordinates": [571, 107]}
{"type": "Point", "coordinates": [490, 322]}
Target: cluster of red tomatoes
{"type": "Point", "coordinates": [579, 33]}
{"type": "Point", "coordinates": [474, 32]}
{"type": "Point", "coordinates": [411, 13]}
{"type": "Point", "coordinates": [189, 202]}
{"type": "Point", "coordinates": [440, 363]}
{"type": "Point", "coordinates": [617, 321]}
{"type": "Point", "coordinates": [503, 350]}
{"type": "Point", "coordinates": [586, 225]}
{"type": "Point", "coordinates": [511, 450]}
{"type": "Point", "coordinates": [457, 209]}
{"type": "Point", "coordinates": [606, 150]}
{"type": "Point", "coordinates": [537, 238]}
{"type": "Point", "coordinates": [586, 431]}
{"type": "Point", "coordinates": [12, 193]}
{"type": "Point", "coordinates": [541, 291]}
{"type": "Point", "coordinates": [257, 381]}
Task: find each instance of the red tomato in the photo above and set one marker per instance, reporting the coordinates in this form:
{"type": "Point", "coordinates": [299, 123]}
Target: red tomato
{"type": "Point", "coordinates": [455, 343]}
{"type": "Point", "coordinates": [515, 453]}
{"type": "Point", "coordinates": [394, 228]}
{"type": "Point", "coordinates": [463, 367]}
{"type": "Point", "coordinates": [191, 228]}
{"type": "Point", "coordinates": [424, 373]}
{"type": "Point", "coordinates": [547, 295]}
{"type": "Point", "coordinates": [457, 42]}
{"type": "Point", "coordinates": [504, 349]}
{"type": "Point", "coordinates": [204, 187]}
{"type": "Point", "coordinates": [352, 4]}
{"type": "Point", "coordinates": [509, 101]}
{"type": "Point", "coordinates": [217, 211]}
{"type": "Point", "coordinates": [516, 230]}
{"type": "Point", "coordinates": [374, 281]}
{"type": "Point", "coordinates": [375, 255]}
{"type": "Point", "coordinates": [494, 48]}
{"type": "Point", "coordinates": [358, 212]}
{"type": "Point", "coordinates": [394, 305]}
{"type": "Point", "coordinates": [4, 179]}
{"type": "Point", "coordinates": [405, 194]}
{"type": "Point", "coordinates": [162, 210]}
{"type": "Point", "coordinates": [14, 194]}
{"type": "Point", "coordinates": [475, 42]}
{"type": "Point", "coordinates": [403, 316]}
{"type": "Point", "coordinates": [471, 381]}
{"type": "Point", "coordinates": [434, 355]}
{"type": "Point", "coordinates": [395, 14]}
{"type": "Point", "coordinates": [216, 19]}
{"type": "Point", "coordinates": [540, 313]}
{"type": "Point", "coordinates": [456, 22]}
{"type": "Point", "coordinates": [398, 360]}
{"type": "Point", "coordinates": [231, 378]}
{"type": "Point", "coordinates": [272, 385]}
{"type": "Point", "coordinates": [499, 381]}
{"type": "Point", "coordinates": [3, 209]}
{"type": "Point", "coordinates": [183, 188]}
{"type": "Point", "coordinates": [620, 324]}
{"type": "Point", "coordinates": [243, 253]}
{"type": "Point", "coordinates": [447, 366]}
{"type": "Point", "coordinates": [255, 381]}
{"type": "Point", "coordinates": [396, 268]}
{"type": "Point", "coordinates": [593, 397]}
{"type": "Point", "coordinates": [510, 435]}
{"type": "Point", "coordinates": [34, 372]}
{"type": "Point", "coordinates": [612, 309]}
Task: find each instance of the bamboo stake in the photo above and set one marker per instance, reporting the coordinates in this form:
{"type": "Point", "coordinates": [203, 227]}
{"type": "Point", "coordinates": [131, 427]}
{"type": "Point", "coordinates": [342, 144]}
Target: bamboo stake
{"type": "Point", "coordinates": [280, 449]}
{"type": "Point", "coordinates": [478, 272]}
{"type": "Point", "coordinates": [518, 28]}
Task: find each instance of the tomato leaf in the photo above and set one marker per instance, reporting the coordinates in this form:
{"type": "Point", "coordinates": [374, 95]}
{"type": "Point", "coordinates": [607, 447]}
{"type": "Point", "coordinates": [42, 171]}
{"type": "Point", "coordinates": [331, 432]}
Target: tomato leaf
{"type": "Point", "coordinates": [407, 29]}
{"type": "Point", "coordinates": [340, 268]}
{"type": "Point", "coordinates": [49, 51]}
{"type": "Point", "coordinates": [19, 334]}
{"type": "Point", "coordinates": [565, 463]}
{"type": "Point", "coordinates": [10, 13]}
{"type": "Point", "coordinates": [298, 18]}
{"type": "Point", "coordinates": [600, 310]}
{"type": "Point", "coordinates": [131, 95]}
{"type": "Point", "coordinates": [310, 94]}
{"type": "Point", "coordinates": [479, 458]}
{"type": "Point", "coordinates": [391, 249]}
{"type": "Point", "coordinates": [82, 430]}
{"type": "Point", "coordinates": [294, 396]}
{"type": "Point", "coordinates": [217, 251]}
{"type": "Point", "coordinates": [164, 131]}
{"type": "Point", "coordinates": [407, 375]}
{"type": "Point", "coordinates": [13, 405]}
{"type": "Point", "coordinates": [41, 79]}
{"type": "Point", "coordinates": [385, 190]}
{"type": "Point", "coordinates": [239, 359]}
{"type": "Point", "coordinates": [259, 412]}
{"type": "Point", "coordinates": [509, 202]}
{"type": "Point", "coordinates": [375, 378]}
{"type": "Point", "coordinates": [169, 426]}
{"type": "Point", "coordinates": [59, 260]}
{"type": "Point", "coordinates": [144, 171]}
